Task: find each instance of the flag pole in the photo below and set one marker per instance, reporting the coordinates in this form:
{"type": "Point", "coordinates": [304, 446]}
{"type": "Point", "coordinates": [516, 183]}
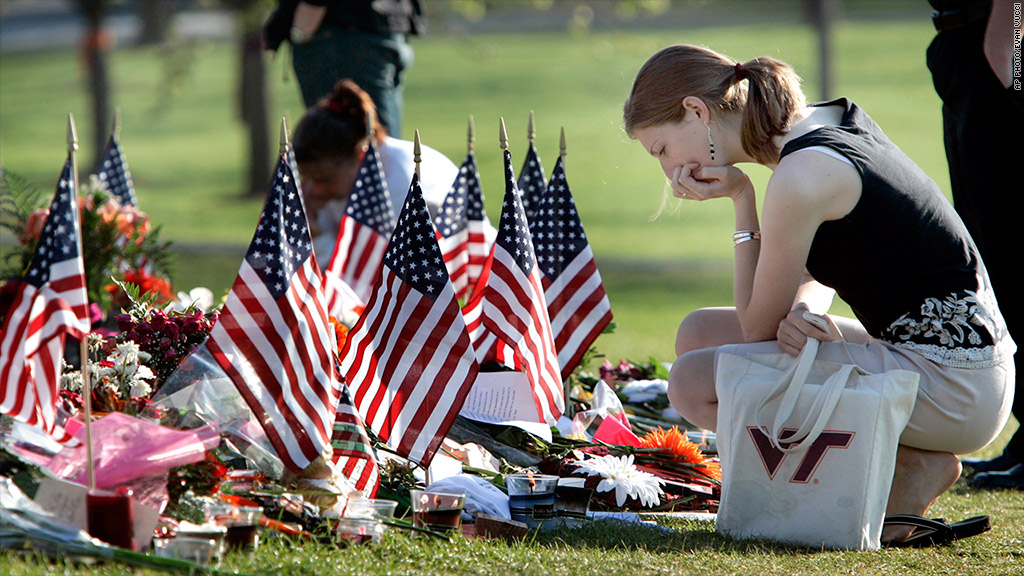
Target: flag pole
{"type": "Point", "coordinates": [502, 133]}
{"type": "Point", "coordinates": [470, 134]}
{"type": "Point", "coordinates": [569, 412]}
{"type": "Point", "coordinates": [531, 129]}
{"type": "Point", "coordinates": [416, 153]}
{"type": "Point", "coordinates": [84, 344]}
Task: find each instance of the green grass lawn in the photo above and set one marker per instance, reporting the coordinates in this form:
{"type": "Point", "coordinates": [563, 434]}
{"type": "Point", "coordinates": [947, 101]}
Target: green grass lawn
{"type": "Point", "coordinates": [186, 149]}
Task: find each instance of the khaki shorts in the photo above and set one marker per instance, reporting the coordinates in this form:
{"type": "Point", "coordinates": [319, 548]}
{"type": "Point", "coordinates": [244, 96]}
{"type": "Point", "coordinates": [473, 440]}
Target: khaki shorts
{"type": "Point", "coordinates": [958, 410]}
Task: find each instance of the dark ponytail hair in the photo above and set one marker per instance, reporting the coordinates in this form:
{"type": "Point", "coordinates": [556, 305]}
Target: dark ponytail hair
{"type": "Point", "coordinates": [768, 101]}
{"type": "Point", "coordinates": [338, 126]}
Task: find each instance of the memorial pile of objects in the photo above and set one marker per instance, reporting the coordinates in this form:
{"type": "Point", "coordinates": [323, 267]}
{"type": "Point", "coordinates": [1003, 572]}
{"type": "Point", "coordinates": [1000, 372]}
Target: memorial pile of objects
{"type": "Point", "coordinates": [181, 439]}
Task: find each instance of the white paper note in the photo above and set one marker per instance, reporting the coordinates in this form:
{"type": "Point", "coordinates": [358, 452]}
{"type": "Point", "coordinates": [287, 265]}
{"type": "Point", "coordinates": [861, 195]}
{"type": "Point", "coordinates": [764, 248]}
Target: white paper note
{"type": "Point", "coordinates": [505, 398]}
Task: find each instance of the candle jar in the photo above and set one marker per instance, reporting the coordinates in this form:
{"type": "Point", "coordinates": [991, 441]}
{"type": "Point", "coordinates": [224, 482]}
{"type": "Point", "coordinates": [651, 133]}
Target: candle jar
{"type": "Point", "coordinates": [206, 531]}
{"type": "Point", "coordinates": [202, 551]}
{"type": "Point", "coordinates": [363, 520]}
{"type": "Point", "coordinates": [572, 504]}
{"type": "Point", "coordinates": [241, 523]}
{"type": "Point", "coordinates": [359, 530]}
{"type": "Point", "coordinates": [111, 517]}
{"type": "Point", "coordinates": [531, 497]}
{"type": "Point", "coordinates": [437, 511]}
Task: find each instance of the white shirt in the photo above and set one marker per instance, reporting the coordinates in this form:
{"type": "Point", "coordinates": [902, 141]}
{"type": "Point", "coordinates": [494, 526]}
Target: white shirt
{"type": "Point", "coordinates": [437, 174]}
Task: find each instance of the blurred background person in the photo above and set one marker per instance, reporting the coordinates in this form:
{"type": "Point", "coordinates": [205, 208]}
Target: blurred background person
{"type": "Point", "coordinates": [330, 142]}
{"type": "Point", "coordinates": [364, 40]}
{"type": "Point", "coordinates": [971, 60]}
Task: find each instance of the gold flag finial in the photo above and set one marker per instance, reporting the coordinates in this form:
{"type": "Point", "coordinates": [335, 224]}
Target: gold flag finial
{"type": "Point", "coordinates": [283, 142]}
{"type": "Point", "coordinates": [561, 145]}
{"type": "Point", "coordinates": [531, 129]}
{"type": "Point", "coordinates": [502, 134]}
{"type": "Point", "coordinates": [416, 151]}
{"type": "Point", "coordinates": [72, 133]}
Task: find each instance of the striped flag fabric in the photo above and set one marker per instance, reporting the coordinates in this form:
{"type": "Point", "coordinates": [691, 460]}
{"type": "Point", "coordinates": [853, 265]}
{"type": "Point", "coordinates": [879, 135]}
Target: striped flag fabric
{"type": "Point", "coordinates": [364, 230]}
{"type": "Point", "coordinates": [50, 303]}
{"type": "Point", "coordinates": [408, 359]}
{"type": "Point", "coordinates": [513, 307]}
{"type": "Point", "coordinates": [464, 233]}
{"type": "Point", "coordinates": [488, 347]}
{"type": "Point", "coordinates": [577, 303]}
{"type": "Point", "coordinates": [273, 337]}
{"type": "Point", "coordinates": [532, 182]}
{"type": "Point", "coordinates": [114, 174]}
{"type": "Point", "coordinates": [353, 451]}
{"type": "Point", "coordinates": [340, 296]}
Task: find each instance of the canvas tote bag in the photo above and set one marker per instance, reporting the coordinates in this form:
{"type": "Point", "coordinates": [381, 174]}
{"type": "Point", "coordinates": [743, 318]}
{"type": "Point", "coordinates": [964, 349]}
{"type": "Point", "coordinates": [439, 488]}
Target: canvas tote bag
{"type": "Point", "coordinates": [808, 448]}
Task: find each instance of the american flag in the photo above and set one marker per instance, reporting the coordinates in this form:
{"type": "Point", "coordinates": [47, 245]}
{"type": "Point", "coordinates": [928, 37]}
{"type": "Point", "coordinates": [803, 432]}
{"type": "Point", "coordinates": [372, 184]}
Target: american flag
{"type": "Point", "coordinates": [487, 346]}
{"type": "Point", "coordinates": [273, 337]}
{"type": "Point", "coordinates": [462, 229]}
{"type": "Point", "coordinates": [353, 452]}
{"type": "Point", "coordinates": [513, 306]}
{"type": "Point", "coordinates": [409, 359]}
{"type": "Point", "coordinates": [50, 303]}
{"type": "Point", "coordinates": [364, 231]}
{"type": "Point", "coordinates": [532, 182]}
{"type": "Point", "coordinates": [114, 174]}
{"type": "Point", "coordinates": [577, 303]}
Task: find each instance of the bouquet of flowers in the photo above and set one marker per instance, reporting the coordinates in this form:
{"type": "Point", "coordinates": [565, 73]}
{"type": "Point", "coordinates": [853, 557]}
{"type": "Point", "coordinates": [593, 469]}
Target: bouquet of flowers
{"type": "Point", "coordinates": [667, 471]}
{"type": "Point", "coordinates": [126, 369]}
{"type": "Point", "coordinates": [166, 335]}
{"type": "Point", "coordinates": [118, 242]}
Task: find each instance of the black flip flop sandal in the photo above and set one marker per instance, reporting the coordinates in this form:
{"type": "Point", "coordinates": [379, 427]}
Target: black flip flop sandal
{"type": "Point", "coordinates": [935, 532]}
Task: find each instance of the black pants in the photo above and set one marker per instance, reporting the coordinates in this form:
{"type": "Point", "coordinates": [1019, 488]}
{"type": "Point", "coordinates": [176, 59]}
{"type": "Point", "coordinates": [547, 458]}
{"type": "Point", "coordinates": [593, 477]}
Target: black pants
{"type": "Point", "coordinates": [375, 62]}
{"type": "Point", "coordinates": [983, 125]}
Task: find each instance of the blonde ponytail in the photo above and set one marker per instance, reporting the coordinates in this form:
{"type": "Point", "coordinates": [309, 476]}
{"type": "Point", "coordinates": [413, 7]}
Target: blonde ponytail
{"type": "Point", "coordinates": [769, 99]}
{"type": "Point", "coordinates": [773, 98]}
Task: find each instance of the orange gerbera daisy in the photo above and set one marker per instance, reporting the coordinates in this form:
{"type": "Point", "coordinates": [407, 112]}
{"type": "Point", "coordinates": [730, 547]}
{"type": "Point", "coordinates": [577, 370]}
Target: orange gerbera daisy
{"type": "Point", "coordinates": [681, 448]}
{"type": "Point", "coordinates": [340, 331]}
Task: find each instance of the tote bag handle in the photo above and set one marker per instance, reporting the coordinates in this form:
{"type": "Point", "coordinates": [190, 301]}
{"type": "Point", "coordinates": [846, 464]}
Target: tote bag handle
{"type": "Point", "coordinates": [792, 383]}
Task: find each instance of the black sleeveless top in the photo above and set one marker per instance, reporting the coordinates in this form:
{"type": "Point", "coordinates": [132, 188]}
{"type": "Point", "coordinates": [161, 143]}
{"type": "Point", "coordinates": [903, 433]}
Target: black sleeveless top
{"type": "Point", "coordinates": [902, 259]}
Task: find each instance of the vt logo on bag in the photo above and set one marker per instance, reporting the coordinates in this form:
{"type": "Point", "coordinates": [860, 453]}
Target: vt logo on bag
{"type": "Point", "coordinates": [815, 486]}
{"type": "Point", "coordinates": [772, 456]}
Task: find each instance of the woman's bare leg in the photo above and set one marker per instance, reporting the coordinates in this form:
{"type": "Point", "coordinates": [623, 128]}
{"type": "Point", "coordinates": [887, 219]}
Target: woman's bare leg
{"type": "Point", "coordinates": [692, 378]}
{"type": "Point", "coordinates": [921, 477]}
{"type": "Point", "coordinates": [708, 328]}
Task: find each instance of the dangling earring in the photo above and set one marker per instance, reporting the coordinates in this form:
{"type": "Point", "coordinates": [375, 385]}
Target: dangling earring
{"type": "Point", "coordinates": [711, 142]}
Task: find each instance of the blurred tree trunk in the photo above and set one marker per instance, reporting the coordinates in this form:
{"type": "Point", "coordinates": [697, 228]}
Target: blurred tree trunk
{"type": "Point", "coordinates": [823, 15]}
{"type": "Point", "coordinates": [254, 101]}
{"type": "Point", "coordinates": [253, 93]}
{"type": "Point", "coordinates": [96, 47]}
{"type": "Point", "coordinates": [157, 17]}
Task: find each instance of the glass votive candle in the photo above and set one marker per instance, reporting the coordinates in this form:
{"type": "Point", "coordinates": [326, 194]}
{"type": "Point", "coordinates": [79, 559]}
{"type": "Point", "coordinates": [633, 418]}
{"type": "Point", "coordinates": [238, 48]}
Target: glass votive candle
{"type": "Point", "coordinates": [359, 530]}
{"type": "Point", "coordinates": [437, 511]}
{"type": "Point", "coordinates": [531, 497]}
{"type": "Point", "coordinates": [199, 550]}
{"type": "Point", "coordinates": [110, 517]}
{"type": "Point", "coordinates": [572, 504]}
{"type": "Point", "coordinates": [377, 508]}
{"type": "Point", "coordinates": [206, 531]}
{"type": "Point", "coordinates": [241, 523]}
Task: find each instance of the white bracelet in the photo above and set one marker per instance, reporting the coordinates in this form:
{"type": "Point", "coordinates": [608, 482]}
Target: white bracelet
{"type": "Point", "coordinates": [741, 236]}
